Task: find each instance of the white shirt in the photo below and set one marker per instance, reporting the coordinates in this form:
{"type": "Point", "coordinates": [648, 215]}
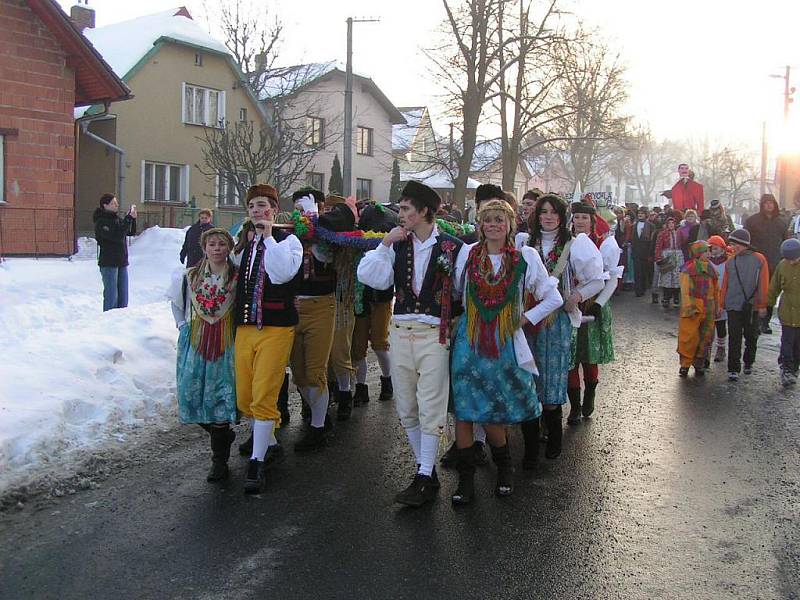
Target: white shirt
{"type": "Point", "coordinates": [639, 228]}
{"type": "Point", "coordinates": [610, 251]}
{"type": "Point", "coordinates": [282, 260]}
{"type": "Point", "coordinates": [376, 270]}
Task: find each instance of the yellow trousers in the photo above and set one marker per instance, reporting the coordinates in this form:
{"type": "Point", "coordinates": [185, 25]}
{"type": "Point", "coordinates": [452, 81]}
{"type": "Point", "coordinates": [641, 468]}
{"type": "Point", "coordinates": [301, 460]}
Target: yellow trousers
{"type": "Point", "coordinates": [373, 329]}
{"type": "Point", "coordinates": [340, 352]}
{"type": "Point", "coordinates": [313, 338]}
{"type": "Point", "coordinates": [261, 357]}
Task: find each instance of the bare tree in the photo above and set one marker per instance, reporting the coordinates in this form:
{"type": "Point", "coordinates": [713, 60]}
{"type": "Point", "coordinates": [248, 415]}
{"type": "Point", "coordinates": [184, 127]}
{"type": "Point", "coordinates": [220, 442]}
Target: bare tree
{"type": "Point", "coordinates": [282, 142]}
{"type": "Point", "coordinates": [593, 88]}
{"type": "Point", "coordinates": [647, 163]}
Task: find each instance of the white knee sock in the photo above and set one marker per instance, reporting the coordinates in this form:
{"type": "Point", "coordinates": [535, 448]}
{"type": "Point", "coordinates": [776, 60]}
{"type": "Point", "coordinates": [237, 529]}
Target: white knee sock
{"type": "Point", "coordinates": [383, 361]}
{"type": "Point", "coordinates": [262, 430]}
{"type": "Point", "coordinates": [479, 433]}
{"type": "Point", "coordinates": [318, 403]}
{"type": "Point", "coordinates": [414, 435]}
{"type": "Point", "coordinates": [428, 447]}
{"type": "Point", "coordinates": [344, 382]}
{"type": "Point", "coordinates": [361, 371]}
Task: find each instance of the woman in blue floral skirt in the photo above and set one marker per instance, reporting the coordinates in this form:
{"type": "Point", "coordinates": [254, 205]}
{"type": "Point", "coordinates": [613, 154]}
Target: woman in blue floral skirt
{"type": "Point", "coordinates": [202, 304]}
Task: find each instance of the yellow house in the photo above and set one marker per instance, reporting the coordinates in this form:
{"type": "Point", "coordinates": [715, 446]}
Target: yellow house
{"type": "Point", "coordinates": [149, 153]}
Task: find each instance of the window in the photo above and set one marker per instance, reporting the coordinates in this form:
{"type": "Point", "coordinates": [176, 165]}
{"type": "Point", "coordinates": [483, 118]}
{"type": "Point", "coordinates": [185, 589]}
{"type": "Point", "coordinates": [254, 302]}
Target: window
{"type": "Point", "coordinates": [227, 193]}
{"type": "Point", "coordinates": [198, 60]}
{"type": "Point", "coordinates": [315, 131]}
{"type": "Point", "coordinates": [364, 143]}
{"type": "Point", "coordinates": [163, 182]}
{"type": "Point", "coordinates": [203, 106]}
{"type": "Point", "coordinates": [243, 115]}
{"type": "Point", "coordinates": [2, 169]}
{"type": "Point", "coordinates": [316, 180]}
{"type": "Point", "coordinates": [363, 189]}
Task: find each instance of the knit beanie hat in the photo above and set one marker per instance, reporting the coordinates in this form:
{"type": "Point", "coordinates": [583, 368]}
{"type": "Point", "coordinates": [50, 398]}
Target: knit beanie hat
{"type": "Point", "coordinates": [740, 236]}
{"type": "Point", "coordinates": [790, 249]}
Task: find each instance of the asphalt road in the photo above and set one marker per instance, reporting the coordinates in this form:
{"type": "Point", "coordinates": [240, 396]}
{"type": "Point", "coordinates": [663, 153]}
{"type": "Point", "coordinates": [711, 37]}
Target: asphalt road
{"type": "Point", "coordinates": [675, 489]}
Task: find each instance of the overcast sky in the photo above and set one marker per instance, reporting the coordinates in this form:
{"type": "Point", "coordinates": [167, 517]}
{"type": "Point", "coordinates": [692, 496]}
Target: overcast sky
{"type": "Point", "coordinates": [696, 67]}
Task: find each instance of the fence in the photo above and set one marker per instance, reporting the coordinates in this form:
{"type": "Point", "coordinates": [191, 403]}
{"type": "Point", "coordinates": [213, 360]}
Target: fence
{"type": "Point", "coordinates": [166, 216]}
{"type": "Point", "coordinates": [36, 231]}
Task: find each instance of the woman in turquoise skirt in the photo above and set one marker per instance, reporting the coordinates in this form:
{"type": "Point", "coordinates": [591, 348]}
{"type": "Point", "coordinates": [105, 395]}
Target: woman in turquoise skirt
{"type": "Point", "coordinates": [202, 304]}
{"type": "Point", "coordinates": [492, 367]}
{"type": "Point", "coordinates": [578, 266]}
{"type": "Point", "coordinates": [593, 342]}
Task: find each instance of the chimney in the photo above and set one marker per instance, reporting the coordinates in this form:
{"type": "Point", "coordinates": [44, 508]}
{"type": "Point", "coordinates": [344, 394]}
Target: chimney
{"type": "Point", "coordinates": [82, 16]}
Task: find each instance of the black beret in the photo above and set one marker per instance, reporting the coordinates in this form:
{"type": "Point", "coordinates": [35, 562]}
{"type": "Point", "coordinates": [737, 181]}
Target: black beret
{"type": "Point", "coordinates": [306, 191]}
{"type": "Point", "coordinates": [487, 191]}
{"type": "Point", "coordinates": [422, 193]}
{"type": "Point", "coordinates": [338, 218]}
{"type": "Point", "coordinates": [580, 207]}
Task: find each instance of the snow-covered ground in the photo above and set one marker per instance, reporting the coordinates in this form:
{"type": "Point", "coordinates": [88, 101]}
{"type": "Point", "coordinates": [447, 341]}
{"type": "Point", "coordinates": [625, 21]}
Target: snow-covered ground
{"type": "Point", "coordinates": [73, 378]}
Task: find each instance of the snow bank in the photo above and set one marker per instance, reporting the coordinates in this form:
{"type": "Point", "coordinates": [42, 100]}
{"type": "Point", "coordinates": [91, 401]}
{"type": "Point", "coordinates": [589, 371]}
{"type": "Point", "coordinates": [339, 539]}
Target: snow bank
{"type": "Point", "coordinates": [71, 376]}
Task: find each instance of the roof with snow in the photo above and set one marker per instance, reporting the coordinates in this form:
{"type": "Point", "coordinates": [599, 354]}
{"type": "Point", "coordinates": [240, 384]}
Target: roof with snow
{"type": "Point", "coordinates": [291, 80]}
{"type": "Point", "coordinates": [403, 133]}
{"type": "Point", "coordinates": [437, 178]}
{"type": "Point", "coordinates": [126, 43]}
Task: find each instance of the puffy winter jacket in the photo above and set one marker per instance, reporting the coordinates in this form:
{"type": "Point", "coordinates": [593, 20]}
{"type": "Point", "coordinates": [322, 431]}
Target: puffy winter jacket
{"type": "Point", "coordinates": [110, 232]}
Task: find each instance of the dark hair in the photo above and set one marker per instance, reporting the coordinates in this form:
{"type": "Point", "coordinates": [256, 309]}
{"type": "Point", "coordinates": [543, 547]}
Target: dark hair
{"type": "Point", "coordinates": [419, 204]}
{"type": "Point", "coordinates": [531, 194]}
{"type": "Point", "coordinates": [106, 199]}
{"type": "Point", "coordinates": [535, 227]}
{"type": "Point", "coordinates": [242, 241]}
{"type": "Point", "coordinates": [487, 191]}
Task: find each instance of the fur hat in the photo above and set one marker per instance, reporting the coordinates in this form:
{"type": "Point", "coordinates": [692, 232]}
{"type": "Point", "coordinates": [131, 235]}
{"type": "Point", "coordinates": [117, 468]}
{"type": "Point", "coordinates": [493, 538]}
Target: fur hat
{"type": "Point", "coordinates": [487, 191]}
{"type": "Point", "coordinates": [262, 190]}
{"type": "Point", "coordinates": [790, 249]}
{"type": "Point", "coordinates": [422, 193]}
{"type": "Point", "coordinates": [740, 236]}
{"type": "Point", "coordinates": [582, 208]}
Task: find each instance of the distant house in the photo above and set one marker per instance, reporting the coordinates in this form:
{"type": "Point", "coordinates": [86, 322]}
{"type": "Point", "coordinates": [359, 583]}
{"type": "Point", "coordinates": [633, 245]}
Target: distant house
{"type": "Point", "coordinates": [47, 68]}
{"type": "Point", "coordinates": [184, 82]}
{"type": "Point", "coordinates": [317, 91]}
{"type": "Point", "coordinates": [422, 155]}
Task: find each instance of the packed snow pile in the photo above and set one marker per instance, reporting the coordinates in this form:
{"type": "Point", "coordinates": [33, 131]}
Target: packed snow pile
{"type": "Point", "coordinates": [72, 377]}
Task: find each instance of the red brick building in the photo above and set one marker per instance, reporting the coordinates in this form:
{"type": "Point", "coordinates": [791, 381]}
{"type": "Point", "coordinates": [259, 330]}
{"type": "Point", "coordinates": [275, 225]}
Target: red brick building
{"type": "Point", "coordinates": [47, 68]}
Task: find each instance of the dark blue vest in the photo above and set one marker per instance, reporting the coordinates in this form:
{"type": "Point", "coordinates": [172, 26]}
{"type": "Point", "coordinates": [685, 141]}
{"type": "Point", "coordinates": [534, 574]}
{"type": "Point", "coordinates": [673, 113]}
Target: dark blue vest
{"type": "Point", "coordinates": [429, 301]}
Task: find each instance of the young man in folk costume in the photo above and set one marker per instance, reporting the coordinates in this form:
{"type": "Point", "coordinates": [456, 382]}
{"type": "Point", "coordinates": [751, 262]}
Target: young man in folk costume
{"type": "Point", "coordinates": [373, 310]}
{"type": "Point", "coordinates": [492, 365]}
{"type": "Point", "coordinates": [344, 259]}
{"type": "Point", "coordinates": [266, 317]}
{"type": "Point", "coordinates": [578, 265]}
{"type": "Point", "coordinates": [592, 342]}
{"type": "Point", "coordinates": [313, 337]}
{"type": "Point", "coordinates": [425, 266]}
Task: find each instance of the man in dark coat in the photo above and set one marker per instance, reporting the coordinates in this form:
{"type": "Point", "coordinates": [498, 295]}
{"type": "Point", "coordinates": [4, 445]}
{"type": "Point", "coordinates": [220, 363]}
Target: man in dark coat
{"type": "Point", "coordinates": [767, 231]}
{"type": "Point", "coordinates": [191, 252]}
{"type": "Point", "coordinates": [111, 232]}
{"type": "Point", "coordinates": [642, 240]}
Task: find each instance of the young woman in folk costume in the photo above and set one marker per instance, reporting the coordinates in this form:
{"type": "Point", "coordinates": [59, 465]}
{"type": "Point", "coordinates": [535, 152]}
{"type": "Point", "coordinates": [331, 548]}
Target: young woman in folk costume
{"type": "Point", "coordinates": [577, 264]}
{"type": "Point", "coordinates": [669, 258]}
{"type": "Point", "coordinates": [699, 308]}
{"type": "Point", "coordinates": [202, 304]}
{"type": "Point", "coordinates": [592, 342]}
{"type": "Point", "coordinates": [492, 366]}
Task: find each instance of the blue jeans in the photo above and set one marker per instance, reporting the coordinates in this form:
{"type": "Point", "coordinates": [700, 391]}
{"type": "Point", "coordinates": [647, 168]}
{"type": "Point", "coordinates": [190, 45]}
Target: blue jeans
{"type": "Point", "coordinates": [115, 287]}
{"type": "Point", "coordinates": [789, 358]}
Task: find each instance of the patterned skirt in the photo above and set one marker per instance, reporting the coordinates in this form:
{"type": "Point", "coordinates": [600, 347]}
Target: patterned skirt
{"type": "Point", "coordinates": [670, 279]}
{"type": "Point", "coordinates": [490, 390]}
{"type": "Point", "coordinates": [593, 343]}
{"type": "Point", "coordinates": [552, 350]}
{"type": "Point", "coordinates": [206, 389]}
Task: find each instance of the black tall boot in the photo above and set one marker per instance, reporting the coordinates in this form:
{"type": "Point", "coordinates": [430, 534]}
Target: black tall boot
{"type": "Point", "coordinates": [530, 433]}
{"type": "Point", "coordinates": [505, 470]}
{"type": "Point", "coordinates": [345, 405]}
{"type": "Point", "coordinates": [387, 390]}
{"type": "Point", "coordinates": [552, 420]}
{"type": "Point", "coordinates": [361, 395]}
{"type": "Point", "coordinates": [246, 448]}
{"type": "Point", "coordinates": [283, 401]}
{"type": "Point", "coordinates": [574, 395]}
{"type": "Point", "coordinates": [588, 399]}
{"type": "Point", "coordinates": [465, 463]}
{"type": "Point", "coordinates": [221, 440]}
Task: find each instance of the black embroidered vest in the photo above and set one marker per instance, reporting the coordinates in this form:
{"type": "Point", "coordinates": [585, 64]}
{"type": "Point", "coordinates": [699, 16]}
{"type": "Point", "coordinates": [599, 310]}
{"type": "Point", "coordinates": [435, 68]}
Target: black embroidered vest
{"type": "Point", "coordinates": [318, 278]}
{"type": "Point", "coordinates": [429, 301]}
{"type": "Point", "coordinates": [277, 300]}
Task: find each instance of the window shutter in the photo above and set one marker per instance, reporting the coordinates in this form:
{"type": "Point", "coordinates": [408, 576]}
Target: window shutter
{"type": "Point", "coordinates": [183, 102]}
{"type": "Point", "coordinates": [221, 109]}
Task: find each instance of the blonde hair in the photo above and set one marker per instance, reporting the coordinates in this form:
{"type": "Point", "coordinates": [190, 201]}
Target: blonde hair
{"type": "Point", "coordinates": [195, 273]}
{"type": "Point", "coordinates": [493, 206]}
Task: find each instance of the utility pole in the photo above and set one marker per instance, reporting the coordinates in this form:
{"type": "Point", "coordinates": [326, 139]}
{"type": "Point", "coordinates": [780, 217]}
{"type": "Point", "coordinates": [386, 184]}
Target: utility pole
{"type": "Point", "coordinates": [788, 91]}
{"type": "Point", "coordinates": [347, 164]}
